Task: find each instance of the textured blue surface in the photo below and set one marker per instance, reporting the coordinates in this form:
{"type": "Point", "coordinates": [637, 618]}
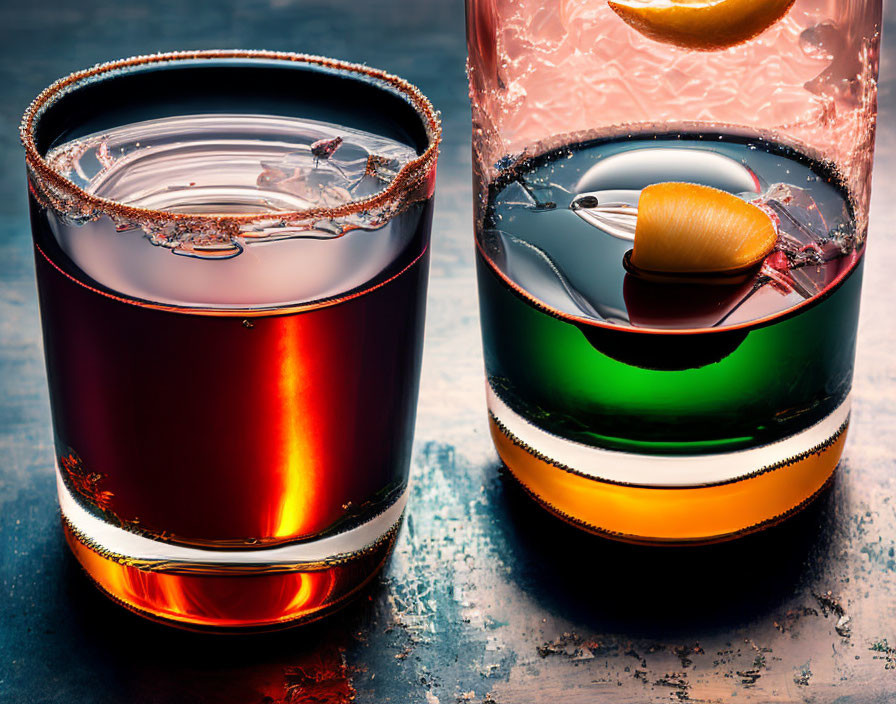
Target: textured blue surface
{"type": "Point", "coordinates": [486, 599]}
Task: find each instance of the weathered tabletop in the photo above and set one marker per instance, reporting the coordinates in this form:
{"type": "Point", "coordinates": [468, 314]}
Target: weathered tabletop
{"type": "Point", "coordinates": [486, 599]}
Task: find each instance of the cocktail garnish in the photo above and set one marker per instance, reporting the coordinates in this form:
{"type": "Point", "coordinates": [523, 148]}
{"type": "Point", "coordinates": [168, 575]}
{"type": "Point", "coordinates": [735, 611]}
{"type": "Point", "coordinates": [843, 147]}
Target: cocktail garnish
{"type": "Point", "coordinates": [704, 25]}
{"type": "Point", "coordinates": [698, 233]}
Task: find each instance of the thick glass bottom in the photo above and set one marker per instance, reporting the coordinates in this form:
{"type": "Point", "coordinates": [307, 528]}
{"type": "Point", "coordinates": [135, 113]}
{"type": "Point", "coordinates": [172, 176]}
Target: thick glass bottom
{"type": "Point", "coordinates": [668, 498]}
{"type": "Point", "coordinates": [228, 590]}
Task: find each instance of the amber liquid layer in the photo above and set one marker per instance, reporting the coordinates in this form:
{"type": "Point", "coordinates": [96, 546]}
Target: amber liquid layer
{"type": "Point", "coordinates": [671, 514]}
{"type": "Point", "coordinates": [228, 599]}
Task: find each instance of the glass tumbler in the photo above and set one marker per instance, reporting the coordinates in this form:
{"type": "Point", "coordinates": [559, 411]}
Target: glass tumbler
{"type": "Point", "coordinates": [231, 251]}
{"type": "Point", "coordinates": [671, 205]}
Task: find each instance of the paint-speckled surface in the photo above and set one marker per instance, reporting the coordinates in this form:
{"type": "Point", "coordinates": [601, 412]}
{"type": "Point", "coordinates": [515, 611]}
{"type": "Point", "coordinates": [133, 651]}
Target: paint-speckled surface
{"type": "Point", "coordinates": [486, 599]}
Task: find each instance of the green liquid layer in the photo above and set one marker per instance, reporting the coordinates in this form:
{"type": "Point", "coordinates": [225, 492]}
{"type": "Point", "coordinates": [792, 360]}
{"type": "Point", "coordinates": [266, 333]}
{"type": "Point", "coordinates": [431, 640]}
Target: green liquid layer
{"type": "Point", "coordinates": [713, 391]}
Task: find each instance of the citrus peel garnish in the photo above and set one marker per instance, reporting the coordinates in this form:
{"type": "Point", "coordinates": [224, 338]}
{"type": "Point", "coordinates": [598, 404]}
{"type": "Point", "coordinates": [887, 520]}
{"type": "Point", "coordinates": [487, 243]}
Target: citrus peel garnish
{"type": "Point", "coordinates": [696, 233]}
{"type": "Point", "coordinates": [705, 25]}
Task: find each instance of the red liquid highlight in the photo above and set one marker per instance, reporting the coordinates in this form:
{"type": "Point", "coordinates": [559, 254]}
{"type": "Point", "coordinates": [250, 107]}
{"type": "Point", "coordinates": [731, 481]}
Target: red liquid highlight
{"type": "Point", "coordinates": [232, 429]}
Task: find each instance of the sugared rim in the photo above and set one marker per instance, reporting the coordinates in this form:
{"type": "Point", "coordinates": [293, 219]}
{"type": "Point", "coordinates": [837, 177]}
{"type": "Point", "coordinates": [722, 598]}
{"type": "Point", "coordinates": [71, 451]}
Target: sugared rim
{"type": "Point", "coordinates": [410, 174]}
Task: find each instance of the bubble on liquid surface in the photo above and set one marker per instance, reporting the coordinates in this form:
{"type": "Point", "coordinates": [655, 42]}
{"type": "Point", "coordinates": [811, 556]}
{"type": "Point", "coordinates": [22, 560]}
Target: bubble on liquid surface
{"type": "Point", "coordinates": [635, 169]}
{"type": "Point", "coordinates": [228, 164]}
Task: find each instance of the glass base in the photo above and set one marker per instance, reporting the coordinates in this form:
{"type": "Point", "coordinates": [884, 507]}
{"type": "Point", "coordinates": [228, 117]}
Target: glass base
{"type": "Point", "coordinates": [228, 590]}
{"type": "Point", "coordinates": [668, 498]}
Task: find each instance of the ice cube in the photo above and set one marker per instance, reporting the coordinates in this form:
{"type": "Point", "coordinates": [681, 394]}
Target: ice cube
{"type": "Point", "coordinates": [805, 234]}
{"type": "Point", "coordinates": [807, 240]}
{"type": "Point", "coordinates": [515, 194]}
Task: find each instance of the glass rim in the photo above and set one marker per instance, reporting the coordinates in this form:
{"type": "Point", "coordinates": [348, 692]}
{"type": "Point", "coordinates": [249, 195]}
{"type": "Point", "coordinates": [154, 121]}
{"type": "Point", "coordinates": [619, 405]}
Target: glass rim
{"type": "Point", "coordinates": [412, 174]}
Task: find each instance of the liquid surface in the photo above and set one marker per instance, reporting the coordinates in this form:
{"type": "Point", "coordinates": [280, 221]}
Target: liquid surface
{"type": "Point", "coordinates": [219, 164]}
{"type": "Point", "coordinates": [558, 226]}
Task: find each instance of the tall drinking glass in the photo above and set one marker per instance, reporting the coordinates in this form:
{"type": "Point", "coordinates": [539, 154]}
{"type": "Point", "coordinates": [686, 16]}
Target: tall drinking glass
{"type": "Point", "coordinates": [231, 252]}
{"type": "Point", "coordinates": [671, 210]}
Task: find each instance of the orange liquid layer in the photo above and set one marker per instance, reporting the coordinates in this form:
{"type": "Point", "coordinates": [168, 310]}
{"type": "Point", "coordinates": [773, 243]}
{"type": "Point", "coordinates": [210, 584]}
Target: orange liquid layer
{"type": "Point", "coordinates": [670, 515]}
{"type": "Point", "coordinates": [222, 599]}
